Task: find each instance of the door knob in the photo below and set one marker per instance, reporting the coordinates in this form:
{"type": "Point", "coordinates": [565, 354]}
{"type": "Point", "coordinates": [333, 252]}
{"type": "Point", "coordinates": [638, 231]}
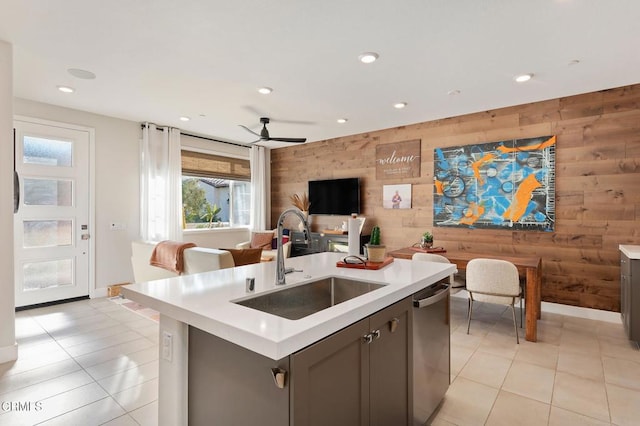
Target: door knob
{"type": "Point", "coordinates": [84, 236]}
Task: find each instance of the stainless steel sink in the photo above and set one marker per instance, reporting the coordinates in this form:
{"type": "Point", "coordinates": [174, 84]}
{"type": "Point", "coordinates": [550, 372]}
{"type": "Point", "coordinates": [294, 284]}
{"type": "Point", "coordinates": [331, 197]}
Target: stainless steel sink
{"type": "Point", "coordinates": [306, 299]}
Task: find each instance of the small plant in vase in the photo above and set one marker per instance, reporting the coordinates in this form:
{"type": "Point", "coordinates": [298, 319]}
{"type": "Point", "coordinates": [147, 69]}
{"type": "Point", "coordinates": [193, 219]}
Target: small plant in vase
{"type": "Point", "coordinates": [375, 250]}
{"type": "Point", "coordinates": [426, 241]}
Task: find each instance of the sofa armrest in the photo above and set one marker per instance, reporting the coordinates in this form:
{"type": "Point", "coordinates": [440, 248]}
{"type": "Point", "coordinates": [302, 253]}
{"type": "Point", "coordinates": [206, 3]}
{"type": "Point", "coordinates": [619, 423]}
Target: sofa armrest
{"type": "Point", "coordinates": [200, 259]}
{"type": "Point", "coordinates": [244, 245]}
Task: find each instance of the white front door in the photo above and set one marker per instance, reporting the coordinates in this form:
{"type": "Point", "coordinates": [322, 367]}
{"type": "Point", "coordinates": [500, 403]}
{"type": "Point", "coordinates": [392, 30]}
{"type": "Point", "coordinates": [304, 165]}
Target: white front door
{"type": "Point", "coordinates": [51, 226]}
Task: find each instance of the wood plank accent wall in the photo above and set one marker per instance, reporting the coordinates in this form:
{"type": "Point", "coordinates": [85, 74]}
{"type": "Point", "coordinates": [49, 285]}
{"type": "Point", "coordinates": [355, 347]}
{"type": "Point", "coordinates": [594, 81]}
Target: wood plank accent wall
{"type": "Point", "coordinates": [597, 187]}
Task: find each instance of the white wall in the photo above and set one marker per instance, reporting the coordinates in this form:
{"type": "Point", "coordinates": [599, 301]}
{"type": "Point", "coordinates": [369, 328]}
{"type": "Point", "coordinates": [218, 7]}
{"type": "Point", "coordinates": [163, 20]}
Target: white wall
{"type": "Point", "coordinates": [8, 348]}
{"type": "Point", "coordinates": [117, 186]}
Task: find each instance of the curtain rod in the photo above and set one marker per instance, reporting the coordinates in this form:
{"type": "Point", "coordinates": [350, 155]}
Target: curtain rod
{"type": "Point", "coordinates": [142, 125]}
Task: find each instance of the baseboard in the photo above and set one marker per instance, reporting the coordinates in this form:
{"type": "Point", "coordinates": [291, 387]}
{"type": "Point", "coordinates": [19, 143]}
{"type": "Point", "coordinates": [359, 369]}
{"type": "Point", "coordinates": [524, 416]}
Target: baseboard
{"type": "Point", "coordinates": [576, 311]}
{"type": "Point", "coordinates": [9, 353]}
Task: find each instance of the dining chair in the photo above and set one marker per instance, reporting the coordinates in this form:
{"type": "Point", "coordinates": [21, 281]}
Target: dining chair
{"type": "Point", "coordinates": [493, 281]}
{"type": "Point", "coordinates": [430, 257]}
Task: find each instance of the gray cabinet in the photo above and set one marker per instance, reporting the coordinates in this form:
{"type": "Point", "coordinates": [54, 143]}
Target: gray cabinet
{"type": "Point", "coordinates": [630, 296]}
{"type": "Point", "coordinates": [358, 376]}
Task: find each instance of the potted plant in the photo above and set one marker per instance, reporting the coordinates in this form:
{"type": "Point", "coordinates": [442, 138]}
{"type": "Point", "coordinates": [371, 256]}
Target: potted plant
{"type": "Point", "coordinates": [375, 250]}
{"type": "Point", "coordinates": [427, 240]}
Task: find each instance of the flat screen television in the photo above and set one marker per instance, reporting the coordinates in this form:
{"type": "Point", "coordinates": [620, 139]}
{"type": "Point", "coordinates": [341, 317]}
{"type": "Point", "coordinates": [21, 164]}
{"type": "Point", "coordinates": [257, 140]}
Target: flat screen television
{"type": "Point", "coordinates": [334, 196]}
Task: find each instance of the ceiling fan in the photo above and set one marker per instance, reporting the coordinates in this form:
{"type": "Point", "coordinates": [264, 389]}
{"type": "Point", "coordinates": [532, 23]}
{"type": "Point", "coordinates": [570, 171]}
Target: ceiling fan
{"type": "Point", "coordinates": [264, 134]}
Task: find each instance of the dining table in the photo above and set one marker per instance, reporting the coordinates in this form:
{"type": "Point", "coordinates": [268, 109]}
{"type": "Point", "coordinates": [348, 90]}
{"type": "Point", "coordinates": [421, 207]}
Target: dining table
{"type": "Point", "coordinates": [529, 267]}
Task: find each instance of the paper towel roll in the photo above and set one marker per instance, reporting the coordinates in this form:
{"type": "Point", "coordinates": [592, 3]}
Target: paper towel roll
{"type": "Point", "coordinates": [354, 237]}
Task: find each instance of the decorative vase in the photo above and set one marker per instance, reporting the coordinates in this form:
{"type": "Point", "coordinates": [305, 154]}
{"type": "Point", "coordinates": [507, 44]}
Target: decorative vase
{"type": "Point", "coordinates": [306, 217]}
{"type": "Point", "coordinates": [424, 244]}
{"type": "Point", "coordinates": [375, 254]}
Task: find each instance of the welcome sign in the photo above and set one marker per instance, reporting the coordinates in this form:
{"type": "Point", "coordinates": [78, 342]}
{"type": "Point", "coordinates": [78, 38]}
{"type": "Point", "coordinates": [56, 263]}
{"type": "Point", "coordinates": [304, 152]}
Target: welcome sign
{"type": "Point", "coordinates": [398, 160]}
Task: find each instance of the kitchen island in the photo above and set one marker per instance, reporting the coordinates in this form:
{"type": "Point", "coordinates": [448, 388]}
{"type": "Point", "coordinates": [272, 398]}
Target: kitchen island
{"type": "Point", "coordinates": [206, 304]}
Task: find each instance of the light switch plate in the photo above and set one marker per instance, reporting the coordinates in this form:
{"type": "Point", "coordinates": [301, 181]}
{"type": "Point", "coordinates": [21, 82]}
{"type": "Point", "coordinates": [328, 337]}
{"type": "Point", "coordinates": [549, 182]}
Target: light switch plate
{"type": "Point", "coordinates": [167, 346]}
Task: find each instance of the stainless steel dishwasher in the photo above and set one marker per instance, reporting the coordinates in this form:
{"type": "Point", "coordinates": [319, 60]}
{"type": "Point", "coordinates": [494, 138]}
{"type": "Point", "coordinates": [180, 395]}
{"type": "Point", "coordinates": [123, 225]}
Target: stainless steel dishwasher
{"type": "Point", "coordinates": [431, 350]}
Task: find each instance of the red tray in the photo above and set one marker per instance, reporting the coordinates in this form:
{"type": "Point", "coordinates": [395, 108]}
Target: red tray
{"type": "Point", "coordinates": [367, 265]}
{"type": "Point", "coordinates": [429, 250]}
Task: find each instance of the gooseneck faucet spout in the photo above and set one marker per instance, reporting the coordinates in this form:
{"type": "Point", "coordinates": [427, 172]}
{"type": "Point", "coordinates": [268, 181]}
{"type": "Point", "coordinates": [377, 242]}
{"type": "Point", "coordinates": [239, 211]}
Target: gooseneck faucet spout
{"type": "Point", "coordinates": [280, 279]}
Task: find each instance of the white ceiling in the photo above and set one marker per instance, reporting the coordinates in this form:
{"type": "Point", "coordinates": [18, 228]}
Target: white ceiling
{"type": "Point", "coordinates": [157, 60]}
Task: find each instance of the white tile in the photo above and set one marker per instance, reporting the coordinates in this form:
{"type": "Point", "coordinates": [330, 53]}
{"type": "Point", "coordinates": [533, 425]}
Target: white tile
{"type": "Point", "coordinates": [34, 356]}
{"type": "Point", "coordinates": [146, 415]}
{"type": "Point", "coordinates": [486, 368]}
{"type": "Point", "coordinates": [138, 396]}
{"type": "Point", "coordinates": [56, 405]}
{"type": "Point", "coordinates": [624, 404]}
{"type": "Point", "coordinates": [530, 381]}
{"type": "Point", "coordinates": [125, 420]}
{"type": "Point", "coordinates": [561, 417]}
{"type": "Point", "coordinates": [113, 352]}
{"type": "Point", "coordinates": [581, 395]}
{"type": "Point", "coordinates": [49, 388]}
{"type": "Point", "coordinates": [511, 409]}
{"type": "Point", "coordinates": [581, 364]}
{"type": "Point", "coordinates": [92, 414]}
{"type": "Point", "coordinates": [622, 372]}
{"type": "Point", "coordinates": [467, 402]}
{"type": "Point", "coordinates": [122, 363]}
{"type": "Point", "coordinates": [31, 377]}
{"type": "Point", "coordinates": [88, 336]}
{"type": "Point", "coordinates": [103, 343]}
{"type": "Point", "coordinates": [129, 378]}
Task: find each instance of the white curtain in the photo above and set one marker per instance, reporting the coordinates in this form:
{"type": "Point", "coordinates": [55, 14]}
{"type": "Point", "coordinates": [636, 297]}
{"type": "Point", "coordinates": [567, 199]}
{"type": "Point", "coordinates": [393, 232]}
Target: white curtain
{"type": "Point", "coordinates": [160, 184]}
{"type": "Point", "coordinates": [259, 188]}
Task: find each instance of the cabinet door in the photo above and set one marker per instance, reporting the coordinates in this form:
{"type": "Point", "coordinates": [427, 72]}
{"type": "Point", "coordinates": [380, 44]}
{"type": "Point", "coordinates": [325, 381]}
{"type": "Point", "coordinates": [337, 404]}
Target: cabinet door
{"type": "Point", "coordinates": [330, 380]}
{"type": "Point", "coordinates": [389, 365]}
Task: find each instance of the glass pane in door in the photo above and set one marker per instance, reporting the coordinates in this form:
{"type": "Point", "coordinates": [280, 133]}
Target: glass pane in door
{"type": "Point", "coordinates": [47, 192]}
{"type": "Point", "coordinates": [47, 152]}
{"type": "Point", "coordinates": [47, 233]}
{"type": "Point", "coordinates": [47, 274]}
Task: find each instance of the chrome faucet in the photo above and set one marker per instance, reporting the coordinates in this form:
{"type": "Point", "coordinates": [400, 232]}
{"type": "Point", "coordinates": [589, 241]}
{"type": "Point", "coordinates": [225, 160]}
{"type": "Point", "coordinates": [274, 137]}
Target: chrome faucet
{"type": "Point", "coordinates": [280, 256]}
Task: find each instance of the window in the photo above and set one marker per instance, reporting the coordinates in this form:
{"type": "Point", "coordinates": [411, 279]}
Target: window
{"type": "Point", "coordinates": [216, 191]}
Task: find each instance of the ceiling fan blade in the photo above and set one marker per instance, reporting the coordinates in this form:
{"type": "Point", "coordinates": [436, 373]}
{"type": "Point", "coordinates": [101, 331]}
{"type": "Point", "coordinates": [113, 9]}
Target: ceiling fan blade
{"type": "Point", "coordinates": [290, 140]}
{"type": "Point", "coordinates": [250, 131]}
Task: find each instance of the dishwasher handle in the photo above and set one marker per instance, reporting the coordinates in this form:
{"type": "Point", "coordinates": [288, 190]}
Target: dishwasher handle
{"type": "Point", "coordinates": [434, 298]}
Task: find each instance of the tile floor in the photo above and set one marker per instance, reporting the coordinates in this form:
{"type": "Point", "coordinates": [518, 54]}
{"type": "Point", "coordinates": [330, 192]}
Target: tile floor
{"type": "Point", "coordinates": [90, 362]}
{"type": "Point", "coordinates": [580, 372]}
{"type": "Point", "coordinates": [93, 362]}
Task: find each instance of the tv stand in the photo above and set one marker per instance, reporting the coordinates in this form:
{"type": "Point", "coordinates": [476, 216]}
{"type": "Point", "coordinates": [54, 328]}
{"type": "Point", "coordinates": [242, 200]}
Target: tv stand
{"type": "Point", "coordinates": [321, 242]}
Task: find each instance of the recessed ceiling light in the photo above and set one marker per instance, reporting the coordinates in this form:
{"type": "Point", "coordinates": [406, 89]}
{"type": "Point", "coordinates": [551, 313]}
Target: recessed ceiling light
{"type": "Point", "coordinates": [524, 77]}
{"type": "Point", "coordinates": [574, 62]}
{"type": "Point", "coordinates": [265, 90]}
{"type": "Point", "coordinates": [185, 118]}
{"type": "Point", "coordinates": [84, 74]}
{"type": "Point", "coordinates": [342, 120]}
{"type": "Point", "coordinates": [368, 57]}
{"type": "Point", "coordinates": [66, 89]}
{"type": "Point", "coordinates": [400, 105]}
{"type": "Point", "coordinates": [453, 92]}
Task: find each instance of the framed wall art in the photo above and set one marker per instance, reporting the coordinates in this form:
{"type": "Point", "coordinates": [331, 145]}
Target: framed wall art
{"type": "Point", "coordinates": [501, 185]}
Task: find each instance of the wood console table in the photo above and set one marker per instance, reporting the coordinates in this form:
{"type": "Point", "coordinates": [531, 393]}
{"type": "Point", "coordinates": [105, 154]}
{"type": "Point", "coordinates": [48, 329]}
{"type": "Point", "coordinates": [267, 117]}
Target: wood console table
{"type": "Point", "coordinates": [529, 267]}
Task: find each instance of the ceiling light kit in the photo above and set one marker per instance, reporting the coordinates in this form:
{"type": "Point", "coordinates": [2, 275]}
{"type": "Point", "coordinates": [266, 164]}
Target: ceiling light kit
{"type": "Point", "coordinates": [523, 78]}
{"type": "Point", "coordinates": [265, 90]}
{"type": "Point", "coordinates": [368, 57]}
{"type": "Point", "coordinates": [400, 105]}
{"type": "Point", "coordinates": [66, 89]}
{"type": "Point", "coordinates": [264, 134]}
{"type": "Point", "coordinates": [342, 120]}
{"type": "Point", "coordinates": [83, 74]}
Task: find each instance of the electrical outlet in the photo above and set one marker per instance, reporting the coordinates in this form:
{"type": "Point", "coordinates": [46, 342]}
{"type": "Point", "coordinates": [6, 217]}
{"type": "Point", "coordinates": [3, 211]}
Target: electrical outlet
{"type": "Point", "coordinates": [167, 346]}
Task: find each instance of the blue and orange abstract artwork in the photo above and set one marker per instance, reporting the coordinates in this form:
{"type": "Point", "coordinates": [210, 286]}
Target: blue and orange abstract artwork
{"type": "Point", "coordinates": [500, 185]}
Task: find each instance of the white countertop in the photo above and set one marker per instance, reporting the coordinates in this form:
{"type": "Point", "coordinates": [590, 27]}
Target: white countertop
{"type": "Point", "coordinates": [206, 300]}
{"type": "Point", "coordinates": [632, 252]}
